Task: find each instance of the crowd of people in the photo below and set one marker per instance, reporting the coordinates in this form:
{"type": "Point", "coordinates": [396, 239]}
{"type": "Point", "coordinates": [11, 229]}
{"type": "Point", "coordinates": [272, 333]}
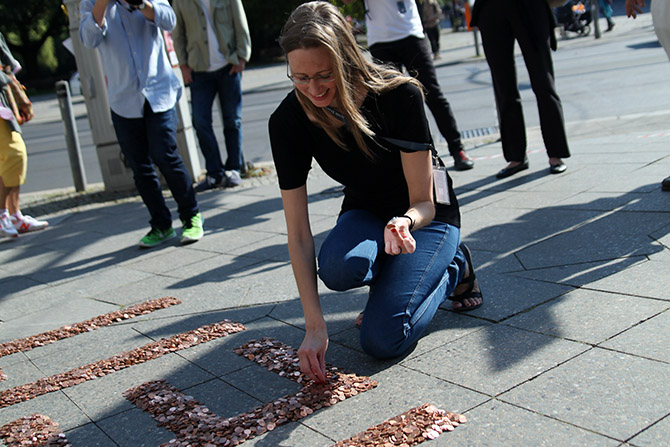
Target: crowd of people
{"type": "Point", "coordinates": [363, 121]}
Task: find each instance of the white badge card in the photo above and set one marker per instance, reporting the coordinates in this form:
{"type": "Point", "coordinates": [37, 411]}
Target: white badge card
{"type": "Point", "coordinates": [441, 185]}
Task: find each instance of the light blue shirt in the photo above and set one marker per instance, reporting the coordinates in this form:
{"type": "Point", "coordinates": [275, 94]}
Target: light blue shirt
{"type": "Point", "coordinates": [133, 56]}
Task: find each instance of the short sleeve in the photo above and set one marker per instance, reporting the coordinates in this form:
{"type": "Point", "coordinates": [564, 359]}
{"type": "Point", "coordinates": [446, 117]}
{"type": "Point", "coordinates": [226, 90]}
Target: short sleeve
{"type": "Point", "coordinates": [290, 148]}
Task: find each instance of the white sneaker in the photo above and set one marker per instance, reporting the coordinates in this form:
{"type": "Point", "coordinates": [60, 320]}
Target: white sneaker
{"type": "Point", "coordinates": [28, 223]}
{"type": "Point", "coordinates": [232, 179]}
{"type": "Point", "coordinates": [6, 227]}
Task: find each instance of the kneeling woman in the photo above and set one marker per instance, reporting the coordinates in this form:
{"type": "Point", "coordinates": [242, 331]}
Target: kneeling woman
{"type": "Point", "coordinates": [366, 127]}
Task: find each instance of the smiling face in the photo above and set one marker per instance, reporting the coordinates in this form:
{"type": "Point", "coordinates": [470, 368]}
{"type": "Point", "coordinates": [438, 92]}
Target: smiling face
{"type": "Point", "coordinates": [314, 63]}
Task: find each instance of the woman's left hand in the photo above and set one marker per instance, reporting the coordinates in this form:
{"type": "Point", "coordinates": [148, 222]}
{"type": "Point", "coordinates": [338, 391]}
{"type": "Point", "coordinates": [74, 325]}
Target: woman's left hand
{"type": "Point", "coordinates": [397, 237]}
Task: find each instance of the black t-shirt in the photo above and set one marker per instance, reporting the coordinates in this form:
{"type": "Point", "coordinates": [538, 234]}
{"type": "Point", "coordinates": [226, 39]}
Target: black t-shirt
{"type": "Point", "coordinates": [377, 185]}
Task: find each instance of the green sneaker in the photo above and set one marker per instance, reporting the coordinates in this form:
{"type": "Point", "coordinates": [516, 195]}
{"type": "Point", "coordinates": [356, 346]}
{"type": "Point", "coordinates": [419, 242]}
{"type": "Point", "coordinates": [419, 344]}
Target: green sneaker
{"type": "Point", "coordinates": [192, 231]}
{"type": "Point", "coordinates": [156, 237]}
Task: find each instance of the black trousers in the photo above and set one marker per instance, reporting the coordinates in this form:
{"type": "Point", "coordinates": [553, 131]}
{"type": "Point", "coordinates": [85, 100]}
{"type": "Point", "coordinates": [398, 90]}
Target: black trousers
{"type": "Point", "coordinates": [501, 23]}
{"type": "Point", "coordinates": [413, 54]}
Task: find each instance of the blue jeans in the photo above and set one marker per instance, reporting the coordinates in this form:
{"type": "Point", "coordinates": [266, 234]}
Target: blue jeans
{"type": "Point", "coordinates": [153, 139]}
{"type": "Point", "coordinates": [405, 290]}
{"type": "Point", "coordinates": [204, 88]}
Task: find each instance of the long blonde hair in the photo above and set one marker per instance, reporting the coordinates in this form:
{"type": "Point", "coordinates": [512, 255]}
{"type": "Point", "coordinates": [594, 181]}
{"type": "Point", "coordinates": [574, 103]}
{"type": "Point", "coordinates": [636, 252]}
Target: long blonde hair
{"type": "Point", "coordinates": [320, 24]}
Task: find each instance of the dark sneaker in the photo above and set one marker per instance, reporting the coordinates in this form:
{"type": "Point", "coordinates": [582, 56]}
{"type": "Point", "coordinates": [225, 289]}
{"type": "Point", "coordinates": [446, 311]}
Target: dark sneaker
{"type": "Point", "coordinates": [209, 183]}
{"type": "Point", "coordinates": [192, 231]}
{"type": "Point", "coordinates": [156, 237]}
{"type": "Point", "coordinates": [463, 162]}
{"type": "Point", "coordinates": [233, 178]}
{"type": "Point", "coordinates": [665, 184]}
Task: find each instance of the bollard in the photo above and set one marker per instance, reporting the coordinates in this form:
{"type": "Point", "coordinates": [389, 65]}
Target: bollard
{"type": "Point", "coordinates": [71, 137]}
{"type": "Point", "coordinates": [594, 18]}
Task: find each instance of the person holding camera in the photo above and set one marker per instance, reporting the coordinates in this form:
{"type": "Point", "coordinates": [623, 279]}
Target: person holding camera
{"type": "Point", "coordinates": [143, 92]}
{"type": "Point", "coordinates": [395, 36]}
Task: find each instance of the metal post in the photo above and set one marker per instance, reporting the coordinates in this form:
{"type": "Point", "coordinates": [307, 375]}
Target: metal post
{"type": "Point", "coordinates": [71, 137]}
{"type": "Point", "coordinates": [594, 16]}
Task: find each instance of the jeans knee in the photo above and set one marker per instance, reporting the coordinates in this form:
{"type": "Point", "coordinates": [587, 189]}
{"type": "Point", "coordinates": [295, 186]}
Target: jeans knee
{"type": "Point", "coordinates": [344, 275]}
{"type": "Point", "coordinates": [380, 343]}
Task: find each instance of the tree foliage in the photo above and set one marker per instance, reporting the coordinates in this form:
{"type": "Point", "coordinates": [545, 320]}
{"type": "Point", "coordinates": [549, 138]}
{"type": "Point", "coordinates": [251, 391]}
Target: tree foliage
{"type": "Point", "coordinates": [266, 19]}
{"type": "Point", "coordinates": [27, 24]}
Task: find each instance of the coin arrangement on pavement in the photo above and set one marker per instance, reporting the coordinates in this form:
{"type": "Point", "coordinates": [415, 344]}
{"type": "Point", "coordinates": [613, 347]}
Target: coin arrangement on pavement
{"type": "Point", "coordinates": [407, 429]}
{"type": "Point", "coordinates": [45, 338]}
{"type": "Point", "coordinates": [35, 430]}
{"type": "Point", "coordinates": [120, 361]}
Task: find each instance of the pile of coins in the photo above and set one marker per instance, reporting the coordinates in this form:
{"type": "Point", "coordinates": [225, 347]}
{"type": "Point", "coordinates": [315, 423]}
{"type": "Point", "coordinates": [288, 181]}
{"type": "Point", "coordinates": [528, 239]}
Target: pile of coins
{"type": "Point", "coordinates": [273, 355]}
{"type": "Point", "coordinates": [120, 361]}
{"type": "Point", "coordinates": [45, 338]}
{"type": "Point", "coordinates": [35, 430]}
{"type": "Point", "coordinates": [195, 424]}
{"type": "Point", "coordinates": [407, 429]}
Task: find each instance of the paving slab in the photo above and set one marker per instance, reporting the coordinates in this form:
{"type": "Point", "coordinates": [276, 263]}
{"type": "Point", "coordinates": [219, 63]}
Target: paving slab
{"type": "Point", "coordinates": [91, 435]}
{"type": "Point", "coordinates": [56, 405]}
{"type": "Point", "coordinates": [495, 359]}
{"type": "Point", "coordinates": [655, 435]}
{"type": "Point", "coordinates": [603, 391]}
{"type": "Point", "coordinates": [103, 397]}
{"type": "Point", "coordinates": [133, 427]}
{"type": "Point", "coordinates": [649, 339]}
{"type": "Point", "coordinates": [55, 312]}
{"type": "Point", "coordinates": [588, 316]}
{"type": "Point", "coordinates": [646, 279]}
{"type": "Point", "coordinates": [498, 423]}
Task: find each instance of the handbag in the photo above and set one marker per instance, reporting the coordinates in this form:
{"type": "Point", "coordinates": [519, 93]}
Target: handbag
{"type": "Point", "coordinates": [18, 100]}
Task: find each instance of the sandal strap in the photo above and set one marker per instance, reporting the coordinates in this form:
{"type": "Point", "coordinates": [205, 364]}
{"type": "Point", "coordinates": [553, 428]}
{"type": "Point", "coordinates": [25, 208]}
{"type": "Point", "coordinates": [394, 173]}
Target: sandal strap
{"type": "Point", "coordinates": [470, 280]}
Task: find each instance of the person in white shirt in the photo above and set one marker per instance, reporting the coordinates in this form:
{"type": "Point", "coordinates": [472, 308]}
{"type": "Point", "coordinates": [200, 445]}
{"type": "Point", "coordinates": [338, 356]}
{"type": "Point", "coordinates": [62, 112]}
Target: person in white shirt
{"type": "Point", "coordinates": [395, 36]}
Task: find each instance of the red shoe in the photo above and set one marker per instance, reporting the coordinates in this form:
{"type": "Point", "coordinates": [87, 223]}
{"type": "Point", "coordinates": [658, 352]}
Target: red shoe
{"type": "Point", "coordinates": [463, 162]}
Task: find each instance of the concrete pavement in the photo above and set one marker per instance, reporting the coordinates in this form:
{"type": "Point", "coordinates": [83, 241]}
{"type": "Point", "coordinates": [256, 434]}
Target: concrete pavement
{"type": "Point", "coordinates": [569, 348]}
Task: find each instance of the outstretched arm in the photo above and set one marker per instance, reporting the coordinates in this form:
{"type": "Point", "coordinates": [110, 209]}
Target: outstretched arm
{"type": "Point", "coordinates": [312, 352]}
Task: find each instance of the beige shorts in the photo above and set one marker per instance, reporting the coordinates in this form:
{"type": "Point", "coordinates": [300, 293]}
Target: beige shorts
{"type": "Point", "coordinates": [13, 156]}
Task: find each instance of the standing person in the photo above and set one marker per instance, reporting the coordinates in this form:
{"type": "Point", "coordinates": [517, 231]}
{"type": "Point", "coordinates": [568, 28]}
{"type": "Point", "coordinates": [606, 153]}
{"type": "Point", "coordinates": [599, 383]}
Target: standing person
{"type": "Point", "coordinates": [606, 8]}
{"type": "Point", "coordinates": [431, 14]}
{"type": "Point", "coordinates": [660, 16]}
{"type": "Point", "coordinates": [143, 92]}
{"type": "Point", "coordinates": [530, 23]}
{"type": "Point", "coordinates": [212, 42]}
{"type": "Point", "coordinates": [366, 127]}
{"type": "Point", "coordinates": [13, 157]}
{"type": "Point", "coordinates": [395, 35]}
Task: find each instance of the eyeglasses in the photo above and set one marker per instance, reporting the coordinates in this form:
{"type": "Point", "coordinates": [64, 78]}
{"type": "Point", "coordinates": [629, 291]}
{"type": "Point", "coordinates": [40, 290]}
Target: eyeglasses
{"type": "Point", "coordinates": [320, 79]}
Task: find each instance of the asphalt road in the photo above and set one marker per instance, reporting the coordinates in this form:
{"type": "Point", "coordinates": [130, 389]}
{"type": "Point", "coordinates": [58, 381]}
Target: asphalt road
{"type": "Point", "coordinates": [620, 74]}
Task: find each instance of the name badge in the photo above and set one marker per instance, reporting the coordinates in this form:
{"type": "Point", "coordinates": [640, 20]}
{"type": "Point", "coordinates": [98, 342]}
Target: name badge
{"type": "Point", "coordinates": [441, 185]}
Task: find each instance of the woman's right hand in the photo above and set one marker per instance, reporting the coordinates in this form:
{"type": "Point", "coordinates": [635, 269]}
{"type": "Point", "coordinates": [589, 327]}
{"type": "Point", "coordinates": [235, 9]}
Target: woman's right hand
{"type": "Point", "coordinates": [312, 354]}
